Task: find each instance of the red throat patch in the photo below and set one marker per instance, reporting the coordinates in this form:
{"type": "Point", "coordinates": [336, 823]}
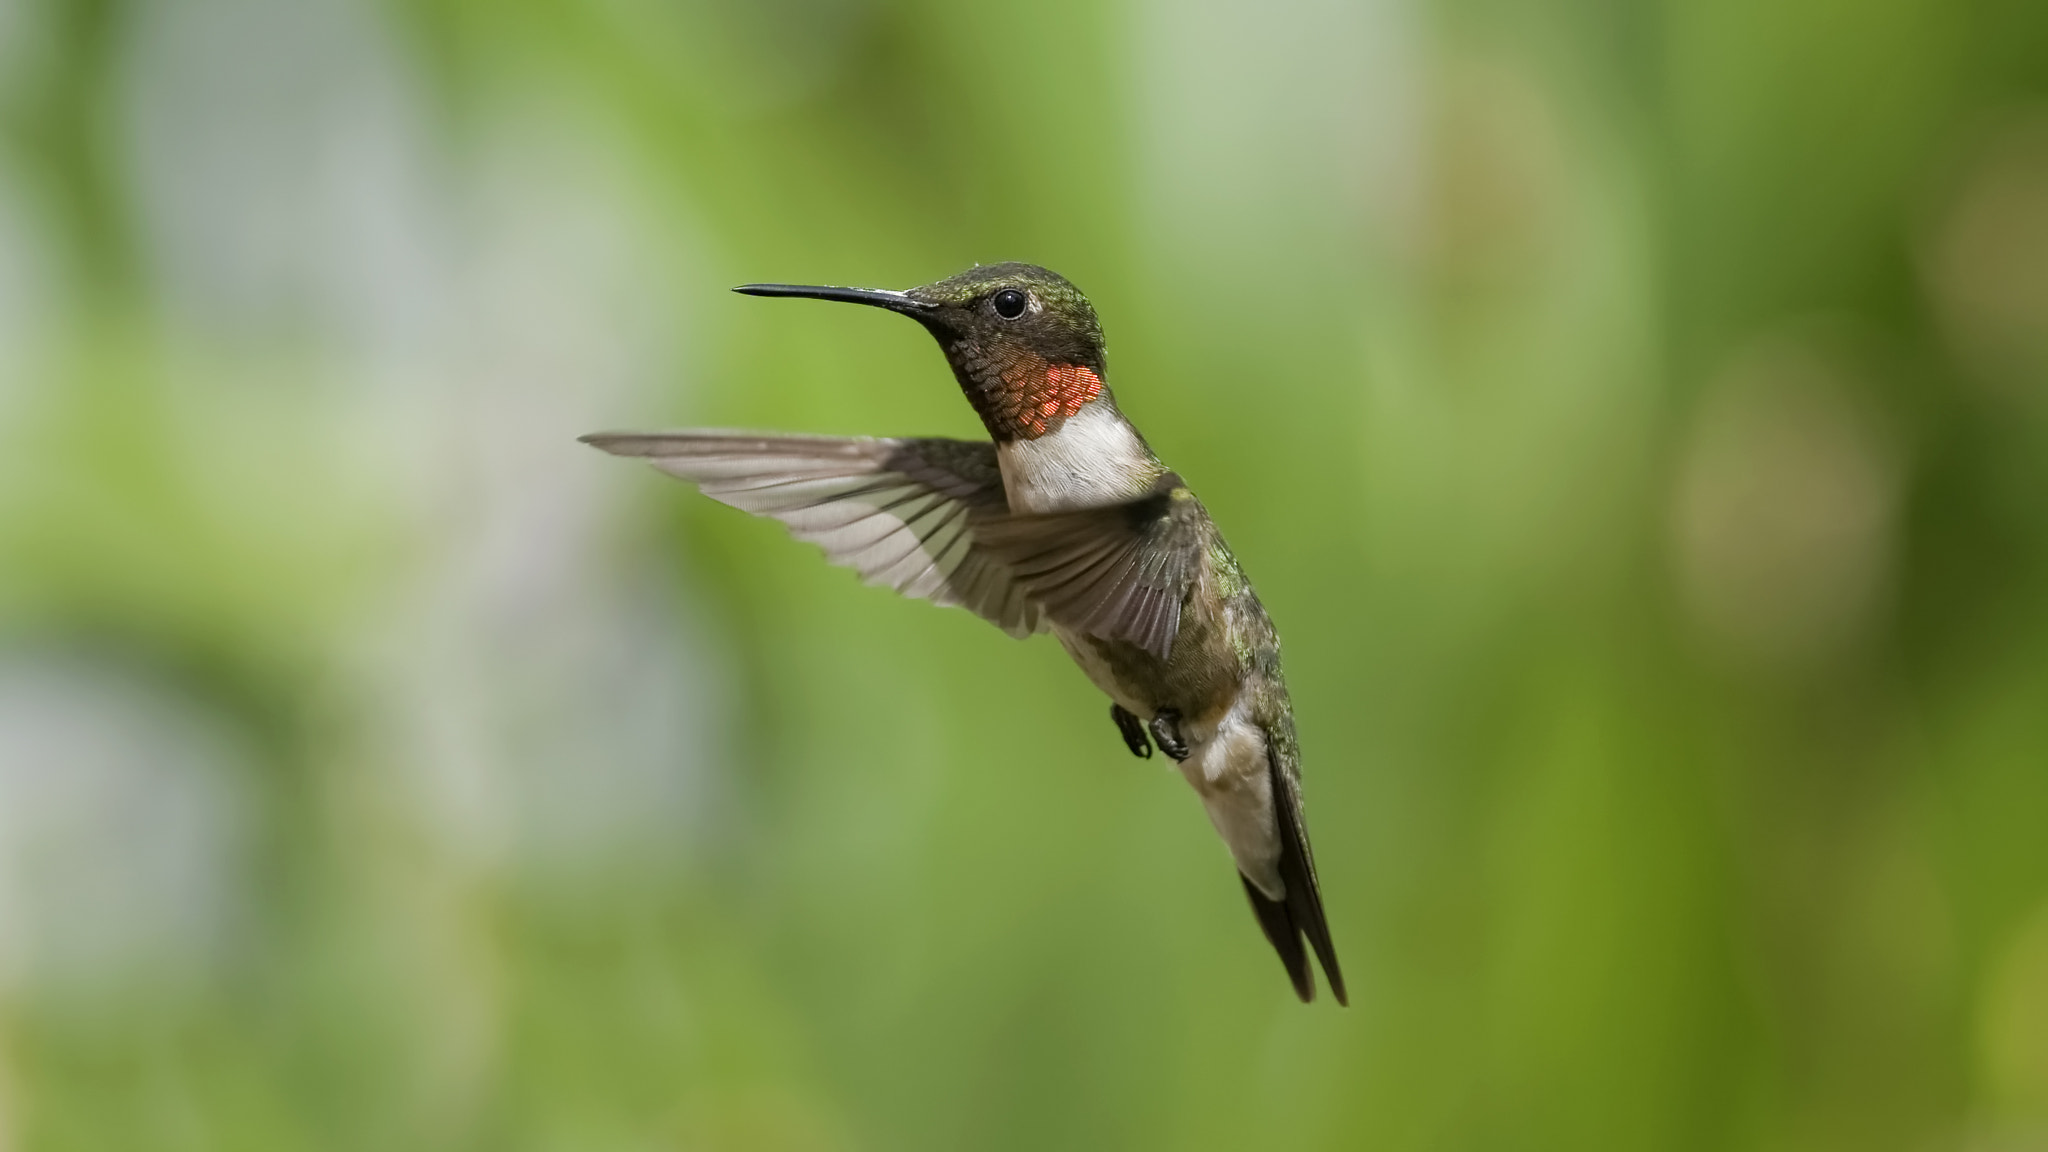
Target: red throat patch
{"type": "Point", "coordinates": [1046, 395]}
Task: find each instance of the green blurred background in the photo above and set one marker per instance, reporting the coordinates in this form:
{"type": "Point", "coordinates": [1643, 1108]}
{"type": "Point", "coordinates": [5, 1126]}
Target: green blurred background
{"type": "Point", "coordinates": [1634, 415]}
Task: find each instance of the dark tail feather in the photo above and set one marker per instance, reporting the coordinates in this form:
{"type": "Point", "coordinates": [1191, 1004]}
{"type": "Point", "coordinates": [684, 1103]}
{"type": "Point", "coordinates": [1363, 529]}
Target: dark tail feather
{"type": "Point", "coordinates": [1286, 939]}
{"type": "Point", "coordinates": [1301, 914]}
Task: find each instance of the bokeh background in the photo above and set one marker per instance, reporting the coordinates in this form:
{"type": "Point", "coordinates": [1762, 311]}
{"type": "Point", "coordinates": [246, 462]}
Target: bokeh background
{"type": "Point", "coordinates": [1634, 415]}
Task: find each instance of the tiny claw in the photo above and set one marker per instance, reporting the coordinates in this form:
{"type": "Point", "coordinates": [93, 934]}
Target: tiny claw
{"type": "Point", "coordinates": [1166, 733]}
{"type": "Point", "coordinates": [1133, 731]}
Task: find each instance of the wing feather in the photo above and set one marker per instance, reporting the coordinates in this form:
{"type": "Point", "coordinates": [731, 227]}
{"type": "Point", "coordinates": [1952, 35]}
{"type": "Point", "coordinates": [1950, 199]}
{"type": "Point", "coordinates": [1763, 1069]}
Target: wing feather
{"type": "Point", "coordinates": [1120, 572]}
{"type": "Point", "coordinates": [905, 514]}
{"type": "Point", "coordinates": [929, 518]}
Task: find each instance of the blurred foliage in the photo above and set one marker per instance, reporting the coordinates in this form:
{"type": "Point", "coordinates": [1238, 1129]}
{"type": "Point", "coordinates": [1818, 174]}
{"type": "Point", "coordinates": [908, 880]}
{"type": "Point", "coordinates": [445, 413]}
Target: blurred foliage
{"type": "Point", "coordinates": [1635, 417]}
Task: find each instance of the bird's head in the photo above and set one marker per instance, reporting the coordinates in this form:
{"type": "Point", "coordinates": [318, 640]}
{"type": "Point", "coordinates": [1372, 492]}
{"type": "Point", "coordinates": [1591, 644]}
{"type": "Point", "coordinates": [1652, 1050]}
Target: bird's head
{"type": "Point", "coordinates": [1024, 343]}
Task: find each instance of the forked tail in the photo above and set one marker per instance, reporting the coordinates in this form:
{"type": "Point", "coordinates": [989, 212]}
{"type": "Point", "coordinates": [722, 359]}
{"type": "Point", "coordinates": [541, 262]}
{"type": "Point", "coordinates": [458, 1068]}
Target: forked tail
{"type": "Point", "coordinates": [1286, 922]}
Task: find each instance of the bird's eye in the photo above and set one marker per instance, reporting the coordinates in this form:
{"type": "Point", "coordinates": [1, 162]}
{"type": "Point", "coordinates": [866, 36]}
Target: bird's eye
{"type": "Point", "coordinates": [1010, 303]}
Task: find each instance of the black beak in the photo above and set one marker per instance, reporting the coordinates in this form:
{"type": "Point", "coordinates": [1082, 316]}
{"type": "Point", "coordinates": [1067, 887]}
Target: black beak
{"type": "Point", "coordinates": [875, 297]}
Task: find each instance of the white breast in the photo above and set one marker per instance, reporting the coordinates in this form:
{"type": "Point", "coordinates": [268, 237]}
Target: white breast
{"type": "Point", "coordinates": [1093, 459]}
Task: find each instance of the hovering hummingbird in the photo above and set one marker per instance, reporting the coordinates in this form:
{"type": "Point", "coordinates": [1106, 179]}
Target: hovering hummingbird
{"type": "Point", "coordinates": [1065, 523]}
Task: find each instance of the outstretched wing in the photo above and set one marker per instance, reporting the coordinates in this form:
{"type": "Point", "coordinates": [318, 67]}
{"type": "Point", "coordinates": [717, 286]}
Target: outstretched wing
{"type": "Point", "coordinates": [1120, 572]}
{"type": "Point", "coordinates": [905, 514]}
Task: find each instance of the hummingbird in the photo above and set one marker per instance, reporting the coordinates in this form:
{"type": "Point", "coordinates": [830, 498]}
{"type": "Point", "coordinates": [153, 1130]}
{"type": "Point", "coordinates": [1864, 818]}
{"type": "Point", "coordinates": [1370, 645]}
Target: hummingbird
{"type": "Point", "coordinates": [1063, 521]}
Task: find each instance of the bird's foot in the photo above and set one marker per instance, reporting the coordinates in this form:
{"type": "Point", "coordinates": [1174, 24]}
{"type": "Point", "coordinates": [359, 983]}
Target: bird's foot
{"type": "Point", "coordinates": [1166, 733]}
{"type": "Point", "coordinates": [1133, 730]}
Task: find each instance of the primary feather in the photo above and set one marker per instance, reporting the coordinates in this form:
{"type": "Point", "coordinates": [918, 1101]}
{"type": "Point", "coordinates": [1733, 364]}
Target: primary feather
{"type": "Point", "coordinates": [904, 513]}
